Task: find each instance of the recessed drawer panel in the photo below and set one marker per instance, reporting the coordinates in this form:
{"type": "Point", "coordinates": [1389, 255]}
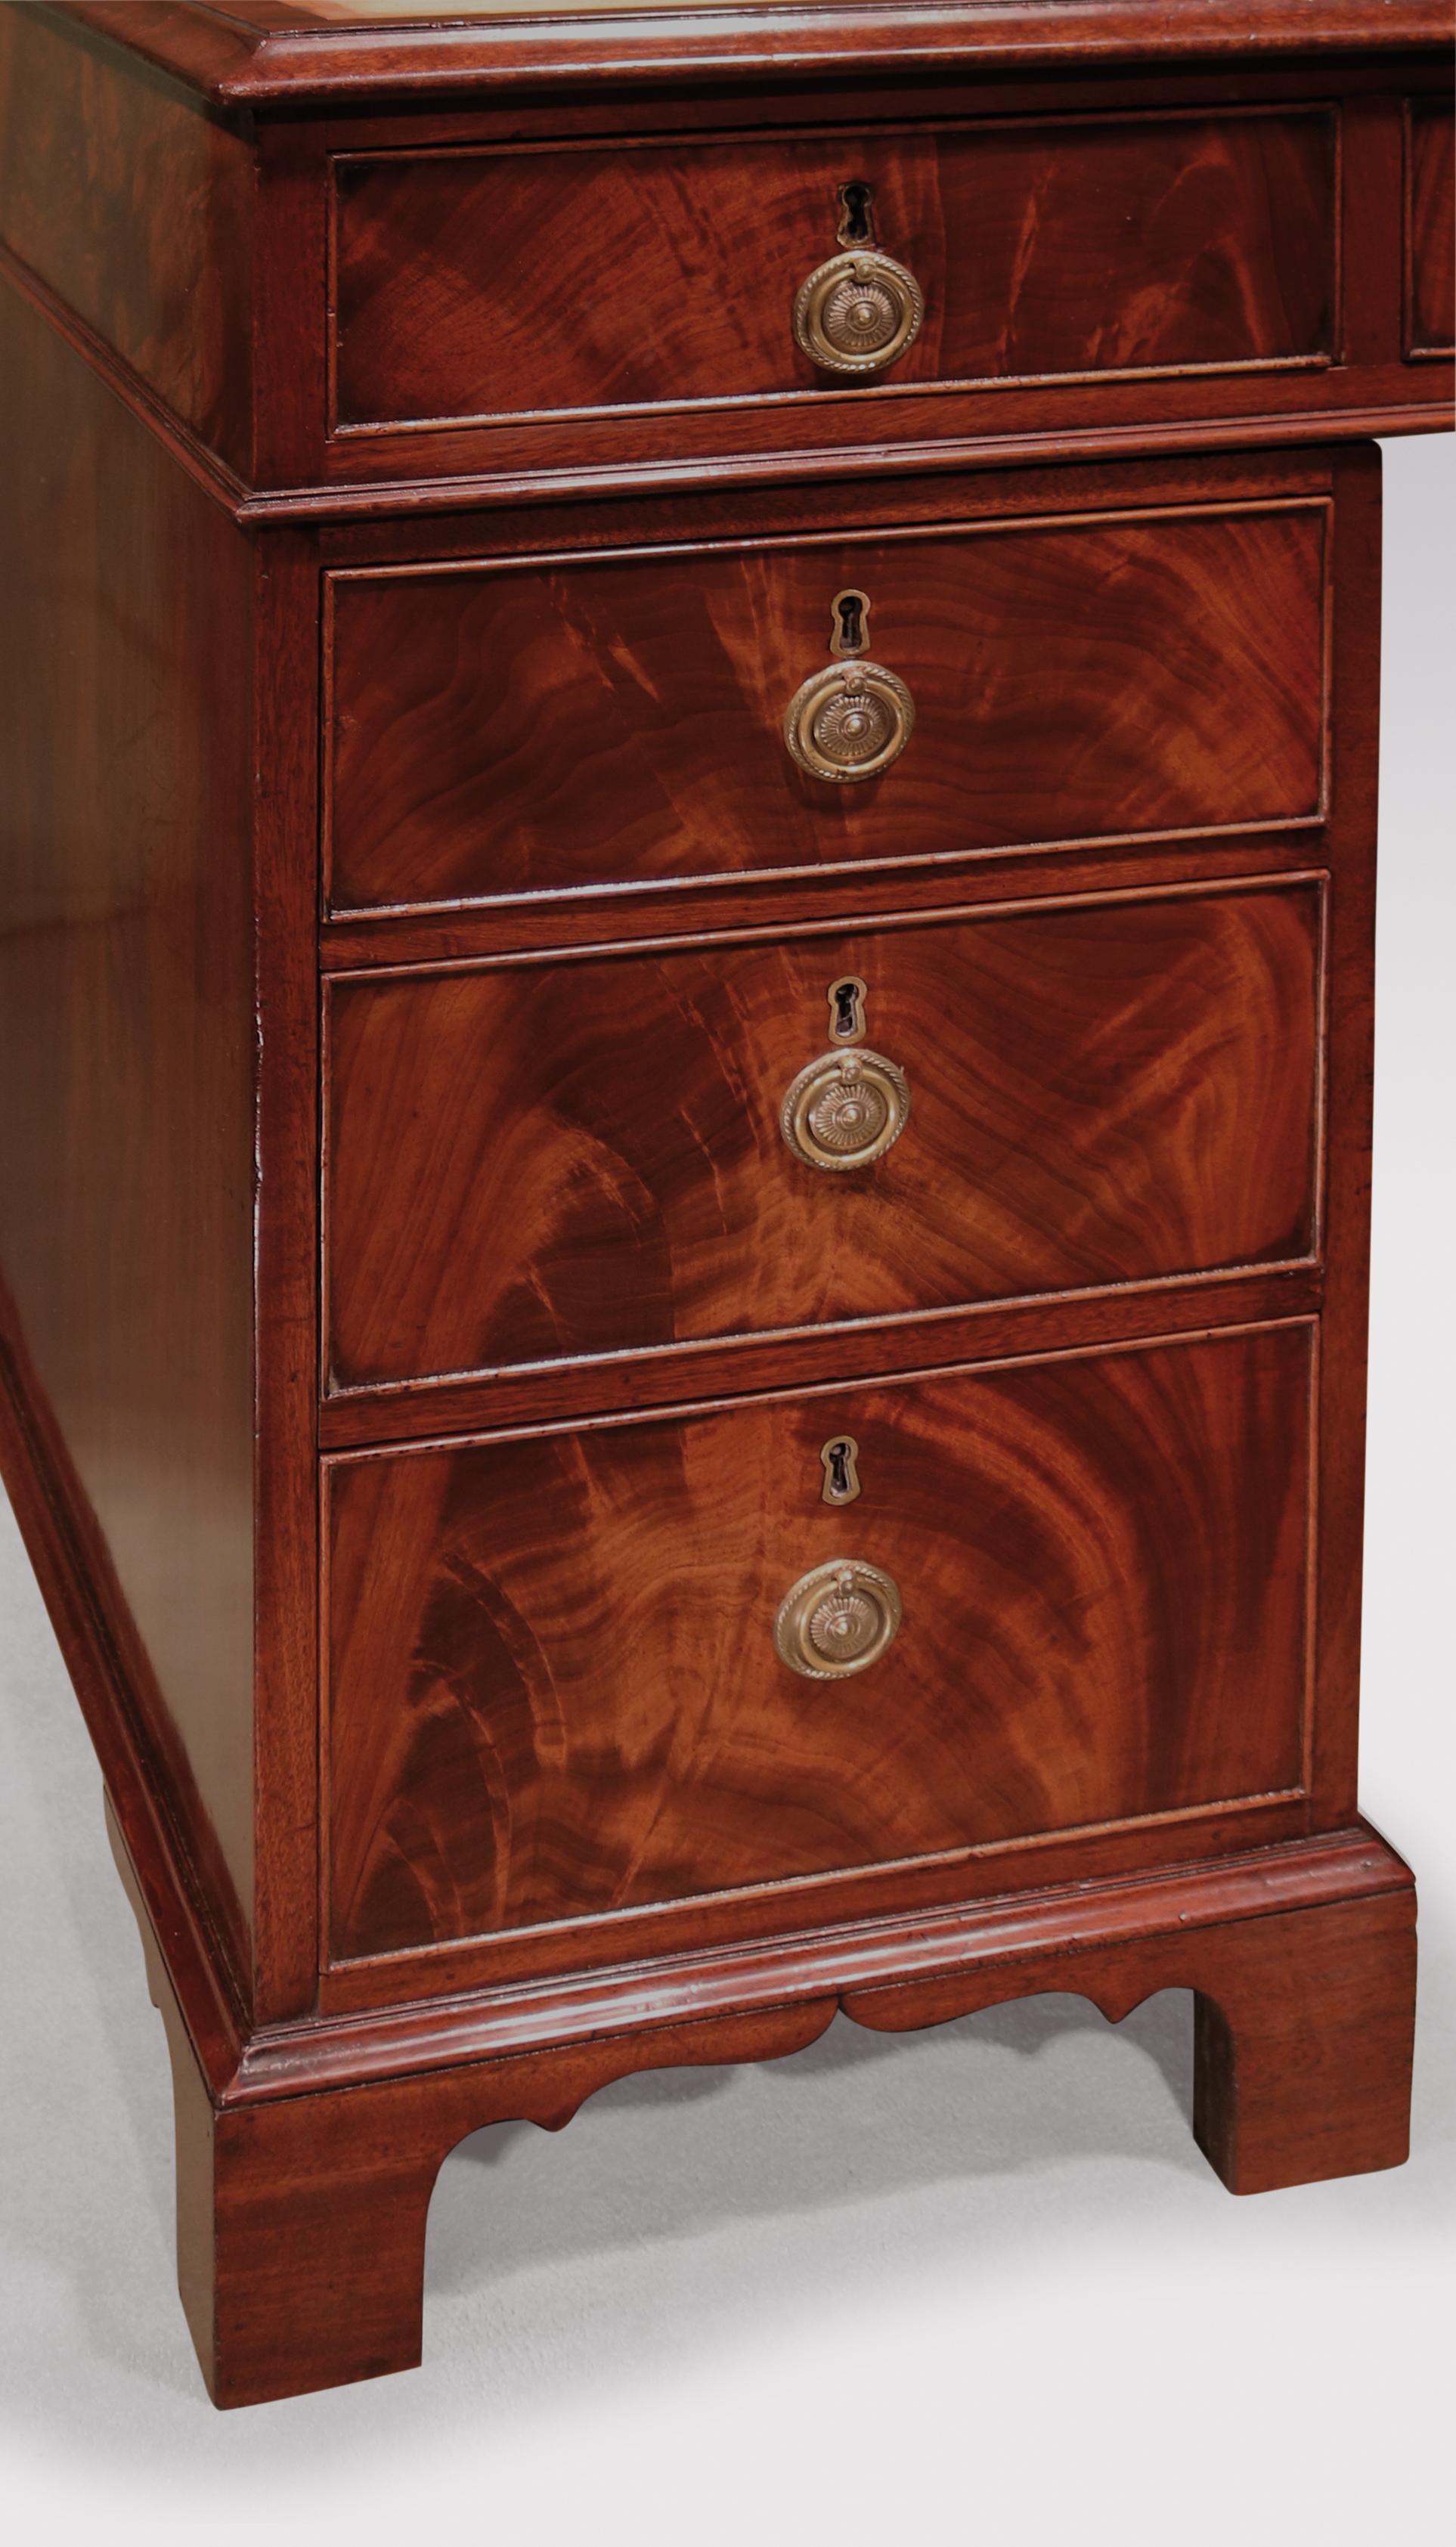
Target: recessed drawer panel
{"type": "Point", "coordinates": [583, 1673]}
{"type": "Point", "coordinates": [521, 729]}
{"type": "Point", "coordinates": [1431, 227]}
{"type": "Point", "coordinates": [561, 1159]}
{"type": "Point", "coordinates": [481, 284]}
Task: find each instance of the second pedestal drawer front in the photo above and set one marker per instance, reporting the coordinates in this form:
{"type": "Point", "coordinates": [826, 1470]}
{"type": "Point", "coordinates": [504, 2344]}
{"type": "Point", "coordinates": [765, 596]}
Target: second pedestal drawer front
{"type": "Point", "coordinates": [587, 1672]}
{"type": "Point", "coordinates": [502, 728]}
{"type": "Point", "coordinates": [573, 1158]}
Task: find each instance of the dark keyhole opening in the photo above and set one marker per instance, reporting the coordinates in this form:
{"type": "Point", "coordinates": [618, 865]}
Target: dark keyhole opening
{"type": "Point", "coordinates": [841, 1480]}
{"type": "Point", "coordinates": [851, 609]}
{"type": "Point", "coordinates": [856, 228]}
{"type": "Point", "coordinates": [846, 998]}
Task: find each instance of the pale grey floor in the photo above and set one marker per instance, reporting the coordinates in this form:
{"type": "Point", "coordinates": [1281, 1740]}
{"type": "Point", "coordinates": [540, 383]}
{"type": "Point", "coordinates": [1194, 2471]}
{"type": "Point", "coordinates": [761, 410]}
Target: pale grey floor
{"type": "Point", "coordinates": [978, 2279]}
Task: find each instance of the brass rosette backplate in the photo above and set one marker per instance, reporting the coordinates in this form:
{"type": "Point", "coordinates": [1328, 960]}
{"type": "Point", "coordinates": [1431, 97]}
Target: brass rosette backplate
{"type": "Point", "coordinates": [849, 721]}
{"type": "Point", "coordinates": [857, 312]}
{"type": "Point", "coordinates": [845, 1109]}
{"type": "Point", "coordinates": [838, 1619]}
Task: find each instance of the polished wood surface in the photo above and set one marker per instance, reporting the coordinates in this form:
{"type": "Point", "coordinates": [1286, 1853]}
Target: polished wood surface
{"type": "Point", "coordinates": [553, 1687]}
{"type": "Point", "coordinates": [229, 358]}
{"type": "Point", "coordinates": [399, 821]}
{"type": "Point", "coordinates": [126, 1051]}
{"type": "Point", "coordinates": [348, 51]}
{"type": "Point", "coordinates": [998, 502]}
{"type": "Point", "coordinates": [1431, 218]}
{"type": "Point", "coordinates": [536, 729]}
{"type": "Point", "coordinates": [138, 212]}
{"type": "Point", "coordinates": [1369, 386]}
{"type": "Point", "coordinates": [490, 283]}
{"type": "Point", "coordinates": [301, 2218]}
{"type": "Point", "coordinates": [534, 1163]}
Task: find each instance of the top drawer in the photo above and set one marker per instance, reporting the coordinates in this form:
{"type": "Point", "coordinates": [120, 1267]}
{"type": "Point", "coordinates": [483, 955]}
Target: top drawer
{"type": "Point", "coordinates": [486, 284]}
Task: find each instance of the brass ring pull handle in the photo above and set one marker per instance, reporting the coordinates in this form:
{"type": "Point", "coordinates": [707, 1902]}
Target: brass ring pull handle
{"type": "Point", "coordinates": [845, 1109]}
{"type": "Point", "coordinates": [837, 1619]}
{"type": "Point", "coordinates": [849, 721]}
{"type": "Point", "coordinates": [858, 313]}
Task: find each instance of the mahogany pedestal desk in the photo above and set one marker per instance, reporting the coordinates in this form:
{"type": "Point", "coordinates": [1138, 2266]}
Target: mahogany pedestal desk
{"type": "Point", "coordinates": [687, 859]}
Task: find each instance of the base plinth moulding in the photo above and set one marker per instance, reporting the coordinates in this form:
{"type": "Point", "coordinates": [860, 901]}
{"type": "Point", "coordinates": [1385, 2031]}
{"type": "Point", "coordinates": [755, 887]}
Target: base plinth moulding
{"type": "Point", "coordinates": [304, 2180]}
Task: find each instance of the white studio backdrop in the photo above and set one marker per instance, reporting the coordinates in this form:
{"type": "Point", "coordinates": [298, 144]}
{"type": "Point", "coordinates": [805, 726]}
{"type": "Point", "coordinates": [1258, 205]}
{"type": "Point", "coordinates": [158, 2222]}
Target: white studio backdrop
{"type": "Point", "coordinates": [973, 2284]}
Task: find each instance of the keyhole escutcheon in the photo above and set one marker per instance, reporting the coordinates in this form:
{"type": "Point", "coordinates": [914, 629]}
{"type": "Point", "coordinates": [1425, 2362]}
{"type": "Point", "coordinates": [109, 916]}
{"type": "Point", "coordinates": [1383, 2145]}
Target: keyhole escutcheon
{"type": "Point", "coordinates": [850, 623]}
{"type": "Point", "coordinates": [856, 227]}
{"type": "Point", "coordinates": [840, 1458]}
{"type": "Point", "coordinates": [847, 999]}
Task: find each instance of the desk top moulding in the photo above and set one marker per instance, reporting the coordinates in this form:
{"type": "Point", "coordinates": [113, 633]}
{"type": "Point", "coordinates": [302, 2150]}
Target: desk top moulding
{"type": "Point", "coordinates": [328, 52]}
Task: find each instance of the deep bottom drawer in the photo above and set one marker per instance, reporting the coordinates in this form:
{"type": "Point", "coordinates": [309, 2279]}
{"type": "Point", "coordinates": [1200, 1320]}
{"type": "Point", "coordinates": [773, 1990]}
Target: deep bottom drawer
{"type": "Point", "coordinates": [557, 1678]}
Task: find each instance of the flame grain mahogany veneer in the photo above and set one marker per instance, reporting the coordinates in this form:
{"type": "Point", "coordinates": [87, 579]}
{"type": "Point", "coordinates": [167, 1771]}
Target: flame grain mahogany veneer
{"type": "Point", "coordinates": [556, 1209]}
{"type": "Point", "coordinates": [534, 729]}
{"type": "Point", "coordinates": [685, 1031]}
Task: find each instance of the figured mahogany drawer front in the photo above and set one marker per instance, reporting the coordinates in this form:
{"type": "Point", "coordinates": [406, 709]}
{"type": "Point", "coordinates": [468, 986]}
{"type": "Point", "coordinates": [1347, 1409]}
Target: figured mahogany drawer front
{"type": "Point", "coordinates": [590, 1156]}
{"type": "Point", "coordinates": [479, 284]}
{"type": "Point", "coordinates": [557, 1688]}
{"type": "Point", "coordinates": [517, 730]}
